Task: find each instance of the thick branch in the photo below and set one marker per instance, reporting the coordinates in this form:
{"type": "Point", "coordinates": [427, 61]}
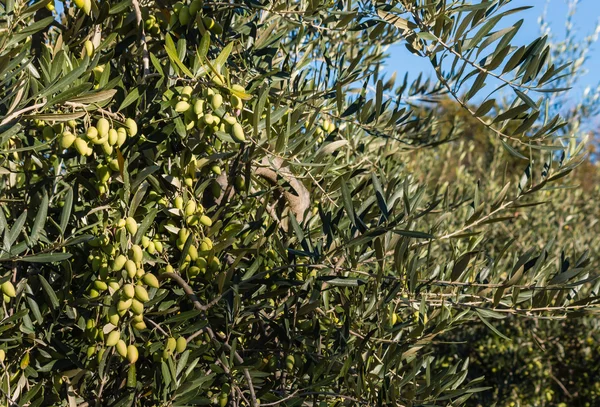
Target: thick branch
{"type": "Point", "coordinates": [299, 201]}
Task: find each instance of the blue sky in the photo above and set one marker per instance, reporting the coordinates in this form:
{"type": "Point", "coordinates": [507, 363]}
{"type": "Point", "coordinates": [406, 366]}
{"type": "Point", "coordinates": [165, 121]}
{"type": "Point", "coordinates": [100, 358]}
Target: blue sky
{"type": "Point", "coordinates": [585, 20]}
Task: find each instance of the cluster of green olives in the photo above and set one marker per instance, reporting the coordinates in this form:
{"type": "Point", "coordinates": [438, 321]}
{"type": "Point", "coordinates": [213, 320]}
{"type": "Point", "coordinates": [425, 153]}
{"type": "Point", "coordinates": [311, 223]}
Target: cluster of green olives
{"type": "Point", "coordinates": [123, 286]}
{"type": "Point", "coordinates": [208, 111]}
{"type": "Point", "coordinates": [102, 134]}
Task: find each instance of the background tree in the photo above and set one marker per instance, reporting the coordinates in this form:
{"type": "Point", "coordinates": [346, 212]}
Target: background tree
{"type": "Point", "coordinates": [221, 202]}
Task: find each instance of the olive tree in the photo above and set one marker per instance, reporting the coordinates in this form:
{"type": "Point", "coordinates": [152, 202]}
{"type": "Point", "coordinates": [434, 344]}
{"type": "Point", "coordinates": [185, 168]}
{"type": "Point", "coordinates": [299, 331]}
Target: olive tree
{"type": "Point", "coordinates": [216, 202]}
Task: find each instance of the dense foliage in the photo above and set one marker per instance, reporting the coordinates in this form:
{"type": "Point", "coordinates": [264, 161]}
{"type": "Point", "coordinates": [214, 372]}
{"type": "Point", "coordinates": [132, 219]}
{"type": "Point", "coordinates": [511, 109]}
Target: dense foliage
{"type": "Point", "coordinates": [229, 203]}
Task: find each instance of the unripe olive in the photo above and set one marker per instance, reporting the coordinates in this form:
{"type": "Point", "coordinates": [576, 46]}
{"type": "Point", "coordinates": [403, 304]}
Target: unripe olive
{"type": "Point", "coordinates": [121, 348]}
{"type": "Point", "coordinates": [216, 101]}
{"type": "Point", "coordinates": [289, 362]}
{"type": "Point", "coordinates": [217, 80]}
{"type": "Point", "coordinates": [215, 189]}
{"type": "Point", "coordinates": [92, 133]}
{"type": "Point", "coordinates": [229, 119]}
{"type": "Point", "coordinates": [87, 6]}
{"type": "Point", "coordinates": [195, 6]}
{"type": "Point", "coordinates": [199, 107]}
{"type": "Point", "coordinates": [90, 351]}
{"type": "Point", "coordinates": [208, 119]}
{"type": "Point", "coordinates": [121, 223]}
{"type": "Point", "coordinates": [149, 23]}
{"type": "Point", "coordinates": [186, 92]}
{"type": "Point", "coordinates": [131, 125]}
{"type": "Point", "coordinates": [208, 22]}
{"type": "Point", "coordinates": [205, 220]}
{"type": "Point", "coordinates": [236, 102]}
{"type": "Point", "coordinates": [137, 307]}
{"type": "Point", "coordinates": [136, 253]}
{"type": "Point", "coordinates": [193, 271]}
{"type": "Point", "coordinates": [141, 294]}
{"type": "Point", "coordinates": [132, 354]}
{"type": "Point", "coordinates": [113, 316]}
{"type": "Point", "coordinates": [113, 337]}
{"type": "Point", "coordinates": [158, 245]}
{"type": "Point", "coordinates": [114, 285]}
{"type": "Point", "coordinates": [181, 344]}
{"type": "Point", "coordinates": [103, 271]}
{"type": "Point", "coordinates": [182, 106]}
{"type": "Point", "coordinates": [183, 234]}
{"type": "Point", "coordinates": [201, 263]}
{"type": "Point", "coordinates": [103, 173]}
{"type": "Point", "coordinates": [123, 306]}
{"type": "Point", "coordinates": [131, 225]}
{"type": "Point", "coordinates": [130, 268]}
{"type": "Point", "coordinates": [113, 137]}
{"type": "Point", "coordinates": [139, 325]}
{"type": "Point", "coordinates": [151, 249]}
{"type": "Point", "coordinates": [223, 398]}
{"type": "Point", "coordinates": [100, 285]}
{"type": "Point", "coordinates": [214, 264]}
{"type": "Point", "coordinates": [8, 289]}
{"type": "Point", "coordinates": [100, 354]}
{"type": "Point", "coordinates": [107, 148]}
{"type": "Point", "coordinates": [184, 15]}
{"type": "Point", "coordinates": [119, 262]}
{"type": "Point", "coordinates": [150, 280]}
{"type": "Point", "coordinates": [178, 202]}
{"type": "Point", "coordinates": [145, 241]}
{"type": "Point", "coordinates": [114, 164]}
{"type": "Point", "coordinates": [237, 133]}
{"type": "Point", "coordinates": [206, 244]}
{"type": "Point", "coordinates": [121, 136]}
{"type": "Point", "coordinates": [48, 132]}
{"type": "Point", "coordinates": [193, 253]}
{"type": "Point", "coordinates": [240, 183]}
{"type": "Point", "coordinates": [25, 360]}
{"type": "Point", "coordinates": [128, 291]}
{"type": "Point", "coordinates": [170, 345]}
{"type": "Point", "coordinates": [67, 139]}
{"type": "Point", "coordinates": [192, 220]}
{"type": "Point", "coordinates": [190, 208]}
{"type": "Point", "coordinates": [89, 48]}
{"type": "Point", "coordinates": [103, 127]}
{"type": "Point", "coordinates": [238, 88]}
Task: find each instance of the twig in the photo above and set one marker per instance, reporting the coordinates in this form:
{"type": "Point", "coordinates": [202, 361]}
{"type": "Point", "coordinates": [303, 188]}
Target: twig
{"type": "Point", "coordinates": [145, 55]}
{"type": "Point", "coordinates": [156, 326]}
{"type": "Point", "coordinates": [186, 288]}
{"type": "Point", "coordinates": [116, 116]}
{"type": "Point", "coordinates": [561, 385]}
